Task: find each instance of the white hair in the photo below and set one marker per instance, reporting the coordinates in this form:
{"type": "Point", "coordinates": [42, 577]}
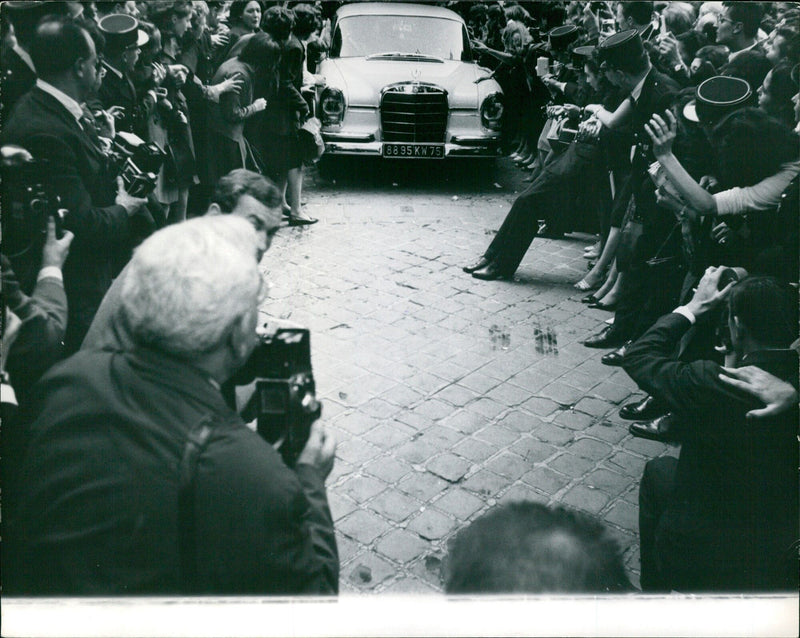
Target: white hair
{"type": "Point", "coordinates": [187, 284]}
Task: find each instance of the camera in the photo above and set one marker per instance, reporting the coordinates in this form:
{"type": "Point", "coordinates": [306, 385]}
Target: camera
{"type": "Point", "coordinates": [284, 403]}
{"type": "Point", "coordinates": [27, 206]}
{"type": "Point", "coordinates": [137, 162]}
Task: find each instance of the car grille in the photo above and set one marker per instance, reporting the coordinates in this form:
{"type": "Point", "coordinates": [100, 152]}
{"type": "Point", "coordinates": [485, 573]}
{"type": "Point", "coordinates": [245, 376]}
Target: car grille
{"type": "Point", "coordinates": [413, 112]}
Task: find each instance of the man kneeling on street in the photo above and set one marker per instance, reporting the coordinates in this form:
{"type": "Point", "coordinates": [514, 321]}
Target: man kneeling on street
{"type": "Point", "coordinates": [724, 515]}
{"type": "Point", "coordinates": [138, 478]}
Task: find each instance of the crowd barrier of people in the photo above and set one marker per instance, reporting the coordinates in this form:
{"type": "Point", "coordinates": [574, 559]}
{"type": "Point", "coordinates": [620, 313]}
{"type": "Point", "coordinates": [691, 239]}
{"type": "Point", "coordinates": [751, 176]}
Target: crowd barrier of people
{"type": "Point", "coordinates": [150, 152]}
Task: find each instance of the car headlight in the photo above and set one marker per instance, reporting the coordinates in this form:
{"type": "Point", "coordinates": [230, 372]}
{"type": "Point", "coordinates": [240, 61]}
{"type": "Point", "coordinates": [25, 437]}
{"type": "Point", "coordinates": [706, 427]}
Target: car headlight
{"type": "Point", "coordinates": [492, 111]}
{"type": "Point", "coordinates": [331, 104]}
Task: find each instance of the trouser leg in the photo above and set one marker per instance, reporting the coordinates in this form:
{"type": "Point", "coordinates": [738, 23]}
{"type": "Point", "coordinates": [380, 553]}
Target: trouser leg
{"type": "Point", "coordinates": [655, 495]}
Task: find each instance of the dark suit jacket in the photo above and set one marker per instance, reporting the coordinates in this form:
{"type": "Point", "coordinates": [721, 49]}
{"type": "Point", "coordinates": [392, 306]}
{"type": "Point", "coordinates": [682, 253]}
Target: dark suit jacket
{"type": "Point", "coordinates": [77, 172]}
{"type": "Point", "coordinates": [120, 91]}
{"type": "Point", "coordinates": [99, 500]}
{"type": "Point", "coordinates": [735, 473]}
{"type": "Point", "coordinates": [17, 79]}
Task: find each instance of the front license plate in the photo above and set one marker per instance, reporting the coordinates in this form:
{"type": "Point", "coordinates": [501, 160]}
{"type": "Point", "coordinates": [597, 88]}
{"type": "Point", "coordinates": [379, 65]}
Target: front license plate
{"type": "Point", "coordinates": [414, 151]}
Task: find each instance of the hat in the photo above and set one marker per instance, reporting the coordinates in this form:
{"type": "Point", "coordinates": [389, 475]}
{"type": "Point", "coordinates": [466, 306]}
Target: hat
{"type": "Point", "coordinates": [716, 97]}
{"type": "Point", "coordinates": [562, 37]}
{"type": "Point", "coordinates": [625, 45]}
{"type": "Point", "coordinates": [122, 31]}
{"type": "Point", "coordinates": [27, 14]}
{"type": "Point", "coordinates": [580, 54]}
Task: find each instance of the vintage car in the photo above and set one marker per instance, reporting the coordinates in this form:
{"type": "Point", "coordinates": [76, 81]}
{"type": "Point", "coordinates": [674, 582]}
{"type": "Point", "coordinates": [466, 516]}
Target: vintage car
{"type": "Point", "coordinates": [400, 82]}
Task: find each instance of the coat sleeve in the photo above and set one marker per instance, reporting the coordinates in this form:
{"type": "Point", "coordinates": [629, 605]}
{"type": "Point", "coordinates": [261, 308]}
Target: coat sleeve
{"type": "Point", "coordinates": [93, 225]}
{"type": "Point", "coordinates": [291, 79]}
{"type": "Point", "coordinates": [691, 388]}
{"type": "Point", "coordinates": [263, 529]}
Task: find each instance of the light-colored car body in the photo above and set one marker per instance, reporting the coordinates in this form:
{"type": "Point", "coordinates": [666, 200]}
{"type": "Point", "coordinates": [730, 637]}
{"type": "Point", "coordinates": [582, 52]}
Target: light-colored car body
{"type": "Point", "coordinates": [400, 82]}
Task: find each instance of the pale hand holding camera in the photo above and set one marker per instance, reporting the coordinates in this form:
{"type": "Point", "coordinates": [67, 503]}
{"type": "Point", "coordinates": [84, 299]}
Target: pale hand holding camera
{"type": "Point", "coordinates": [707, 295]}
{"type": "Point", "coordinates": [55, 250]}
{"type": "Point", "coordinates": [130, 203]}
{"type": "Point", "coordinates": [320, 450]}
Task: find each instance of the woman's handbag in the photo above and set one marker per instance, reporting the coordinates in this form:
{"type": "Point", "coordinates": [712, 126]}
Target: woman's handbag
{"type": "Point", "coordinates": [310, 141]}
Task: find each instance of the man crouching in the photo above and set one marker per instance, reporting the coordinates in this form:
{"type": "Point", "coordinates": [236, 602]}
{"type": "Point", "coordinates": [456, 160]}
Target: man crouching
{"type": "Point", "coordinates": [138, 478]}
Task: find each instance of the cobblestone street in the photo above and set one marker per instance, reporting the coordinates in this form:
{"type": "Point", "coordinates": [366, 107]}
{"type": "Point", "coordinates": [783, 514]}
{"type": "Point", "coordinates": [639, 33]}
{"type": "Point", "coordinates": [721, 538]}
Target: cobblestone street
{"type": "Point", "coordinates": [449, 395]}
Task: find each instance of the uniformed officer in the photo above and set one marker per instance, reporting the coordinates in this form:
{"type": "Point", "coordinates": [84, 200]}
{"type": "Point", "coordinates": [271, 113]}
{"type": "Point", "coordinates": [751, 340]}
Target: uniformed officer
{"type": "Point", "coordinates": [124, 40]}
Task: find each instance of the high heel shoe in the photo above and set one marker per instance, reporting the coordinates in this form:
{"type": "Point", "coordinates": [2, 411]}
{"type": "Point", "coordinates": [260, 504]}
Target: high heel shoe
{"type": "Point", "coordinates": [602, 306]}
{"type": "Point", "coordinates": [590, 299]}
{"type": "Point", "coordinates": [584, 285]}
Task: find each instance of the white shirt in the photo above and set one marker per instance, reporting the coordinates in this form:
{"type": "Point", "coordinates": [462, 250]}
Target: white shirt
{"type": "Point", "coordinates": [637, 90]}
{"type": "Point", "coordinates": [765, 195]}
{"type": "Point", "coordinates": [66, 101]}
{"type": "Point", "coordinates": [23, 54]}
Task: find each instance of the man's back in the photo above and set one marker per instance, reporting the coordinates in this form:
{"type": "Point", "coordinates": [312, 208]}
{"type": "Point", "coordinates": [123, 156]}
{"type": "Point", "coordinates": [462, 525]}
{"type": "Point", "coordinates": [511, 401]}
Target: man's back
{"type": "Point", "coordinates": [101, 491]}
{"type": "Point", "coordinates": [76, 171]}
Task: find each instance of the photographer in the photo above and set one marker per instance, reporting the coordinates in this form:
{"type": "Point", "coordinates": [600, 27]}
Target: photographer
{"type": "Point", "coordinates": [47, 122]}
{"type": "Point", "coordinates": [139, 479]}
{"type": "Point", "coordinates": [723, 516]}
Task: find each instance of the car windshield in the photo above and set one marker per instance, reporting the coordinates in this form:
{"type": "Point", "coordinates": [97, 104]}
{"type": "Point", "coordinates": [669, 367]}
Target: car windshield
{"type": "Point", "coordinates": [398, 36]}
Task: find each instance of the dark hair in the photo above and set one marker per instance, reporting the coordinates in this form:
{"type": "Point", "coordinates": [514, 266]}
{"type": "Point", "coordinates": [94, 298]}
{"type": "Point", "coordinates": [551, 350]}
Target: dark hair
{"type": "Point", "coordinates": [25, 21]}
{"type": "Point", "coordinates": [781, 90]}
{"type": "Point", "coordinates": [529, 547]}
{"type": "Point", "coordinates": [57, 46]}
{"type": "Point", "coordinates": [750, 146]}
{"type": "Point", "coordinates": [748, 13]}
{"type": "Point", "coordinates": [306, 20]}
{"type": "Point", "coordinates": [767, 307]}
{"type": "Point", "coordinates": [162, 12]}
{"type": "Point", "coordinates": [237, 9]}
{"type": "Point", "coordinates": [692, 41]}
{"type": "Point", "coordinates": [639, 12]}
{"type": "Point", "coordinates": [261, 51]}
{"type": "Point", "coordinates": [239, 182]}
{"type": "Point", "coordinates": [792, 37]}
{"type": "Point", "coordinates": [278, 22]}
{"type": "Point", "coordinates": [716, 54]}
{"type": "Point", "coordinates": [750, 66]}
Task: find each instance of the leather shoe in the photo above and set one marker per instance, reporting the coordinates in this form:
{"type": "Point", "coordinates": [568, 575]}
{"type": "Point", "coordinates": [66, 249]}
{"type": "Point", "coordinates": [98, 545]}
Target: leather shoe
{"type": "Point", "coordinates": [607, 338]}
{"type": "Point", "coordinates": [661, 429]}
{"type": "Point", "coordinates": [490, 273]}
{"type": "Point", "coordinates": [599, 305]}
{"type": "Point", "coordinates": [590, 299]}
{"type": "Point", "coordinates": [616, 357]}
{"type": "Point", "coordinates": [302, 221]}
{"type": "Point", "coordinates": [481, 263]}
{"type": "Point", "coordinates": [646, 409]}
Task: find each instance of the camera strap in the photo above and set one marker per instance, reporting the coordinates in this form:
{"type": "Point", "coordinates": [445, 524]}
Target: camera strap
{"type": "Point", "coordinates": [187, 538]}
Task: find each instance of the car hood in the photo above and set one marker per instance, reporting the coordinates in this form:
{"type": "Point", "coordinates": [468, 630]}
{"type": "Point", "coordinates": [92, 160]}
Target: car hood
{"type": "Point", "coordinates": [361, 80]}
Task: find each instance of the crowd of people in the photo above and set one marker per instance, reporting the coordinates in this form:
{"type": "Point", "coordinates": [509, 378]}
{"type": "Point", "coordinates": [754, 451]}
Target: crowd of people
{"type": "Point", "coordinates": [130, 296]}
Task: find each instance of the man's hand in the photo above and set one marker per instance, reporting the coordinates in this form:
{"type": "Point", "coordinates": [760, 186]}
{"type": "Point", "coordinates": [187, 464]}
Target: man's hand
{"type": "Point", "coordinates": [721, 233]}
{"type": "Point", "coordinates": [320, 450]}
{"type": "Point", "coordinates": [220, 39]}
{"type": "Point", "coordinates": [233, 84]}
{"type": "Point", "coordinates": [777, 395]}
{"type": "Point", "coordinates": [55, 250]}
{"type": "Point", "coordinates": [130, 203]}
{"type": "Point", "coordinates": [259, 105]}
{"type": "Point", "coordinates": [668, 48]}
{"type": "Point", "coordinates": [706, 296]}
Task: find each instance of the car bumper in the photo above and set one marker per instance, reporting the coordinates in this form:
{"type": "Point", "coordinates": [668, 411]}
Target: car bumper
{"type": "Point", "coordinates": [477, 147]}
{"type": "Point", "coordinates": [360, 134]}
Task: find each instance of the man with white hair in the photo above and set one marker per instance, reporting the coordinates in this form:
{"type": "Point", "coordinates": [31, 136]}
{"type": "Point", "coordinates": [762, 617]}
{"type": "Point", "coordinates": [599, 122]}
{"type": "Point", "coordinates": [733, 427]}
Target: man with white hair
{"type": "Point", "coordinates": [138, 478]}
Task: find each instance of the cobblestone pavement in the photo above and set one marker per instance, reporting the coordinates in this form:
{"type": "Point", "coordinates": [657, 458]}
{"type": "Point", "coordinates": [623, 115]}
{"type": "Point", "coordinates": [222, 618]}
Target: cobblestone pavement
{"type": "Point", "coordinates": [449, 395]}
